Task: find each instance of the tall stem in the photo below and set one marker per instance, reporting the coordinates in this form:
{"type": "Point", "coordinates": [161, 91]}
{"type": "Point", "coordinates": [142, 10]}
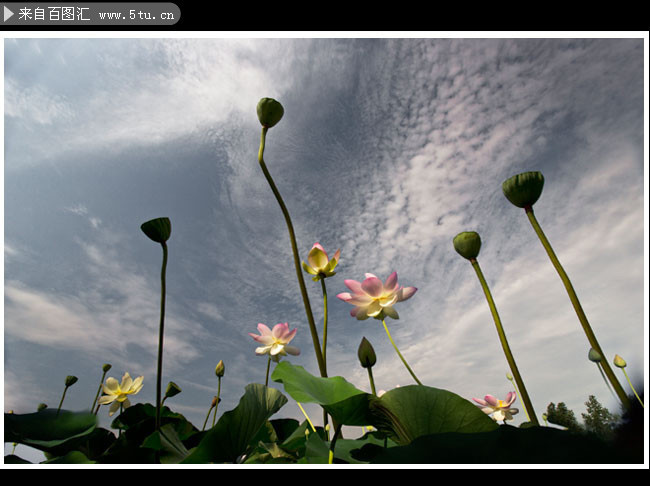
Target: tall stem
{"type": "Point", "coordinates": [525, 409]}
{"type": "Point", "coordinates": [214, 417]}
{"type": "Point", "coordinates": [400, 354]}
{"type": "Point", "coordinates": [98, 390]}
{"type": "Point", "coordinates": [161, 334]}
{"type": "Point", "coordinates": [322, 282]}
{"type": "Point", "coordinates": [372, 381]}
{"type": "Point", "coordinates": [207, 417]}
{"type": "Point", "coordinates": [296, 260]}
{"type": "Point", "coordinates": [268, 367]}
{"type": "Point", "coordinates": [504, 343]}
{"type": "Point", "coordinates": [631, 386]}
{"type": "Point", "coordinates": [61, 402]}
{"type": "Point", "coordinates": [591, 337]}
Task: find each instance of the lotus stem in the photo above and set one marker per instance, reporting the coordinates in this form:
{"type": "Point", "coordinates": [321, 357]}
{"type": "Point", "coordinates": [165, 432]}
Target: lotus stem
{"type": "Point", "coordinates": [306, 416]}
{"type": "Point", "coordinates": [294, 247]}
{"type": "Point", "coordinates": [214, 417]}
{"type": "Point", "coordinates": [591, 337]}
{"type": "Point", "coordinates": [504, 343]}
{"type": "Point", "coordinates": [161, 330]}
{"type": "Point", "coordinates": [372, 381]}
{"type": "Point", "coordinates": [268, 368]}
{"type": "Point", "coordinates": [99, 389]}
{"type": "Point", "coordinates": [631, 386]}
{"type": "Point", "coordinates": [322, 282]}
{"type": "Point", "coordinates": [400, 354]}
{"type": "Point", "coordinates": [61, 402]}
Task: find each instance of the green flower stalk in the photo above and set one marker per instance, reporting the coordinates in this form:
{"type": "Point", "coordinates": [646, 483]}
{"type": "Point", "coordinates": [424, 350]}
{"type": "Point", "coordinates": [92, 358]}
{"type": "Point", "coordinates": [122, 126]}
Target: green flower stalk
{"type": "Point", "coordinates": [69, 381]}
{"type": "Point", "coordinates": [172, 390]}
{"type": "Point", "coordinates": [512, 380]}
{"type": "Point", "coordinates": [219, 371]}
{"type": "Point", "coordinates": [159, 230]}
{"type": "Point", "coordinates": [620, 363]}
{"type": "Point", "coordinates": [523, 190]}
{"type": "Point", "coordinates": [213, 404]}
{"type": "Point", "coordinates": [270, 112]}
{"type": "Point", "coordinates": [368, 359]}
{"type": "Point", "coordinates": [468, 245]}
{"type": "Point", "coordinates": [105, 368]}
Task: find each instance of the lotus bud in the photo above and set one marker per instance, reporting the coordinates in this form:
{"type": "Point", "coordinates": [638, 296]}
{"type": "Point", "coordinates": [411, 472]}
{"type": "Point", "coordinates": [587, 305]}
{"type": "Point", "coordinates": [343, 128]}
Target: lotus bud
{"type": "Point", "coordinates": [41, 406]}
{"type": "Point", "coordinates": [215, 402]}
{"type": "Point", "coordinates": [70, 380]}
{"type": "Point", "coordinates": [509, 376]}
{"type": "Point", "coordinates": [269, 112]}
{"type": "Point", "coordinates": [619, 362]}
{"type": "Point", "coordinates": [366, 354]}
{"type": "Point", "coordinates": [220, 369]}
{"type": "Point", "coordinates": [106, 367]}
{"type": "Point", "coordinates": [523, 190]}
{"type": "Point", "coordinates": [172, 389]}
{"type": "Point", "coordinates": [594, 356]}
{"type": "Point", "coordinates": [159, 229]}
{"type": "Point", "coordinates": [468, 244]}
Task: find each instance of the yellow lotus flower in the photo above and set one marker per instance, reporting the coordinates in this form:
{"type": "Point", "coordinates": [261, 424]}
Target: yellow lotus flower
{"type": "Point", "coordinates": [117, 393]}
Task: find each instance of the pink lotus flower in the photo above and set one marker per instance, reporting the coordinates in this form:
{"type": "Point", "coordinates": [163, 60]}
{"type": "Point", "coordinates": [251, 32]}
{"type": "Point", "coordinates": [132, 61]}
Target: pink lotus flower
{"type": "Point", "coordinates": [275, 342]}
{"type": "Point", "coordinates": [372, 298]}
{"type": "Point", "coordinates": [319, 263]}
{"type": "Point", "coordinates": [500, 409]}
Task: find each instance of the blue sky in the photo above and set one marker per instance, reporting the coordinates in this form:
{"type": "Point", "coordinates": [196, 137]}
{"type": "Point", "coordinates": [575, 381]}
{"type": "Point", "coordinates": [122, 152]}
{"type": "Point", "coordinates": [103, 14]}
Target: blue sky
{"type": "Point", "coordinates": [388, 148]}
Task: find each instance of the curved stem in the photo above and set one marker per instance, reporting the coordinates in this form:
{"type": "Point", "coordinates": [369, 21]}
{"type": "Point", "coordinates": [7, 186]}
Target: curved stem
{"type": "Point", "coordinates": [605, 380]}
{"type": "Point", "coordinates": [294, 248]}
{"type": "Point", "coordinates": [400, 354]}
{"type": "Point", "coordinates": [524, 405]}
{"type": "Point", "coordinates": [630, 383]}
{"type": "Point", "coordinates": [372, 381]}
{"type": "Point", "coordinates": [306, 416]}
{"type": "Point", "coordinates": [161, 334]}
{"type": "Point", "coordinates": [268, 367]}
{"type": "Point", "coordinates": [591, 337]}
{"type": "Point", "coordinates": [214, 417]}
{"type": "Point", "coordinates": [322, 282]}
{"type": "Point", "coordinates": [504, 343]}
{"type": "Point", "coordinates": [206, 417]}
{"type": "Point", "coordinates": [98, 390]}
{"type": "Point", "coordinates": [61, 402]}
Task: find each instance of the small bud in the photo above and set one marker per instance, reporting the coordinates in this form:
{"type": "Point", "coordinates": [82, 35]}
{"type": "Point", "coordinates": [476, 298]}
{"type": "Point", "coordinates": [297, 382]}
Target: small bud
{"type": "Point", "coordinates": [220, 369]}
{"type": "Point", "coordinates": [619, 362]}
{"type": "Point", "coordinates": [467, 244]}
{"type": "Point", "coordinates": [159, 229]}
{"type": "Point", "coordinates": [509, 376]}
{"type": "Point", "coordinates": [594, 356]}
{"type": "Point", "coordinates": [70, 380]}
{"type": "Point", "coordinates": [544, 417]}
{"type": "Point", "coordinates": [172, 389]}
{"type": "Point", "coordinates": [524, 189]}
{"type": "Point", "coordinates": [41, 406]}
{"type": "Point", "coordinates": [215, 402]}
{"type": "Point", "coordinates": [307, 432]}
{"type": "Point", "coordinates": [269, 112]}
{"type": "Point", "coordinates": [106, 367]}
{"type": "Point", "coordinates": [366, 354]}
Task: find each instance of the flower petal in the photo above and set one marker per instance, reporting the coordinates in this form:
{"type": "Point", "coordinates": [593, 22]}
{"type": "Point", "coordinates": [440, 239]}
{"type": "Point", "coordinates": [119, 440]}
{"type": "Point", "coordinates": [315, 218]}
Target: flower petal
{"type": "Point", "coordinates": [354, 286]}
{"type": "Point", "coordinates": [308, 269]}
{"type": "Point", "coordinates": [113, 408]}
{"type": "Point", "coordinates": [112, 386]}
{"type": "Point", "coordinates": [373, 309]}
{"type": "Point", "coordinates": [344, 296]}
{"type": "Point", "coordinates": [406, 293]}
{"type": "Point", "coordinates": [127, 381]}
{"type": "Point", "coordinates": [106, 399]}
{"type": "Point", "coordinates": [480, 401]}
{"type": "Point", "coordinates": [262, 350]}
{"type": "Point", "coordinates": [292, 350]}
{"type": "Point", "coordinates": [372, 286]}
{"type": "Point", "coordinates": [391, 282]}
{"type": "Point", "coordinates": [264, 329]}
{"type": "Point", "coordinates": [317, 257]}
{"type": "Point", "coordinates": [492, 401]}
{"type": "Point", "coordinates": [510, 398]}
{"type": "Point", "coordinates": [390, 312]}
{"type": "Point", "coordinates": [280, 330]}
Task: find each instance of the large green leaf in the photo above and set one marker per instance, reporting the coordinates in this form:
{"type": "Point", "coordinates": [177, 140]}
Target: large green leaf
{"type": "Point", "coordinates": [167, 442]}
{"type": "Point", "coordinates": [412, 411]}
{"type": "Point", "coordinates": [232, 434]}
{"type": "Point", "coordinates": [47, 429]}
{"type": "Point", "coordinates": [342, 400]}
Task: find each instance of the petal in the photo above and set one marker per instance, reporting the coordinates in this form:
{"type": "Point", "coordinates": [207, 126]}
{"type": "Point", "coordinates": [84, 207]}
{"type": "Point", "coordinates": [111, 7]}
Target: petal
{"type": "Point", "coordinates": [264, 329]}
{"type": "Point", "coordinates": [308, 269]}
{"type": "Point", "coordinates": [262, 350]}
{"type": "Point", "coordinates": [373, 309]}
{"type": "Point", "coordinates": [360, 313]}
{"type": "Point", "coordinates": [361, 300]}
{"type": "Point", "coordinates": [354, 286]}
{"type": "Point", "coordinates": [388, 300]}
{"type": "Point", "coordinates": [391, 282]}
{"type": "Point", "coordinates": [344, 296]}
{"type": "Point", "coordinates": [106, 399]}
{"type": "Point", "coordinates": [491, 400]}
{"type": "Point", "coordinates": [391, 312]}
{"type": "Point", "coordinates": [292, 350]}
{"type": "Point", "coordinates": [114, 408]}
{"type": "Point", "coordinates": [480, 401]}
{"type": "Point", "coordinates": [137, 384]}
{"type": "Point", "coordinates": [499, 415]}
{"type": "Point", "coordinates": [111, 386]}
{"type": "Point", "coordinates": [371, 275]}
{"type": "Point", "coordinates": [126, 403]}
{"type": "Point", "coordinates": [406, 293]}
{"type": "Point", "coordinates": [276, 348]}
{"type": "Point", "coordinates": [317, 257]}
{"type": "Point", "coordinates": [510, 398]}
{"type": "Point", "coordinates": [372, 286]}
{"type": "Point", "coordinates": [127, 381]}
{"type": "Point", "coordinates": [280, 330]}
{"type": "Point", "coordinates": [266, 340]}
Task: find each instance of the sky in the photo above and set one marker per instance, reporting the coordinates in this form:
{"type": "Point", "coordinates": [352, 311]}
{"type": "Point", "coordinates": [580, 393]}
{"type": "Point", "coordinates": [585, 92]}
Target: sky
{"type": "Point", "coordinates": [388, 148]}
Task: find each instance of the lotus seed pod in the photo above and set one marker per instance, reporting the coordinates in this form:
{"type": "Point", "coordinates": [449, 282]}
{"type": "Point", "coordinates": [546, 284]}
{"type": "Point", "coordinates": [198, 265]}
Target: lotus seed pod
{"type": "Point", "coordinates": [468, 244]}
{"type": "Point", "coordinates": [523, 190]}
{"type": "Point", "coordinates": [269, 112]}
{"type": "Point", "coordinates": [366, 354]}
{"type": "Point", "coordinates": [172, 389]}
{"type": "Point", "coordinates": [70, 380]}
{"type": "Point", "coordinates": [594, 356]}
{"type": "Point", "coordinates": [159, 229]}
{"type": "Point", "coordinates": [619, 362]}
{"type": "Point", "coordinates": [106, 367]}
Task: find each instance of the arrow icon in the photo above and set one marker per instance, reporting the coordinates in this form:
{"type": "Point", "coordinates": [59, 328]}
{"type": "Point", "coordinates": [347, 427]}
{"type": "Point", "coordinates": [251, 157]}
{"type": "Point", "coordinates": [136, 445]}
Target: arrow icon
{"type": "Point", "coordinates": [7, 14]}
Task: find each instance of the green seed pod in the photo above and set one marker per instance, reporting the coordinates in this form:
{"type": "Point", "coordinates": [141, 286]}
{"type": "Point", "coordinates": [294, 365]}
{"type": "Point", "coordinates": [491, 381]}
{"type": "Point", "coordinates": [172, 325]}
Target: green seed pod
{"type": "Point", "coordinates": [220, 369]}
{"type": "Point", "coordinates": [106, 367]}
{"type": "Point", "coordinates": [594, 356]}
{"type": "Point", "coordinates": [524, 189]}
{"type": "Point", "coordinates": [619, 362]}
{"type": "Point", "coordinates": [366, 354]}
{"type": "Point", "coordinates": [70, 380]}
{"type": "Point", "coordinates": [172, 389]}
{"type": "Point", "coordinates": [159, 229]}
{"type": "Point", "coordinates": [468, 244]}
{"type": "Point", "coordinates": [41, 406]}
{"type": "Point", "coordinates": [269, 112]}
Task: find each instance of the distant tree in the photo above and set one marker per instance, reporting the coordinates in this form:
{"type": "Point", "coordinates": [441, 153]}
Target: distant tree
{"type": "Point", "coordinates": [561, 415]}
{"type": "Point", "coordinates": [598, 420]}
